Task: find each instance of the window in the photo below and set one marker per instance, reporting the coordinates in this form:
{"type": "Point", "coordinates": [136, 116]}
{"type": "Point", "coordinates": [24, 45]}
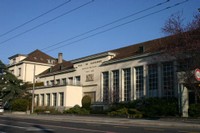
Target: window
{"type": "Point", "coordinates": [153, 80]}
{"type": "Point", "coordinates": [139, 82]}
{"type": "Point", "coordinates": [42, 99]}
{"type": "Point", "coordinates": [52, 82]}
{"type": "Point", "coordinates": [127, 84]}
{"type": "Point", "coordinates": [48, 99]}
{"type": "Point", "coordinates": [64, 81]}
{"type": "Point", "coordinates": [54, 99]}
{"type": "Point", "coordinates": [78, 80]}
{"type": "Point", "coordinates": [92, 96]}
{"type": "Point", "coordinates": [12, 71]}
{"type": "Point", "coordinates": [61, 99]}
{"type": "Point", "coordinates": [168, 79]}
{"type": "Point", "coordinates": [47, 83]}
{"type": "Point", "coordinates": [58, 81]}
{"type": "Point", "coordinates": [70, 79]}
{"type": "Point", "coordinates": [115, 92]}
{"type": "Point", "coordinates": [14, 60]}
{"type": "Point", "coordinates": [105, 87]}
{"type": "Point", "coordinates": [19, 72]}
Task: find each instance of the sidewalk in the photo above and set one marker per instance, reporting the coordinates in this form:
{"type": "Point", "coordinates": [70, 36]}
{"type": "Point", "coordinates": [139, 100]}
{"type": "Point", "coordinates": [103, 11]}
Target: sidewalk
{"type": "Point", "coordinates": [164, 122]}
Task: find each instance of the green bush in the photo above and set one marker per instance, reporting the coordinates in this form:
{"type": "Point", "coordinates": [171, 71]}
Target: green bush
{"type": "Point", "coordinates": [147, 107]}
{"type": "Point", "coordinates": [76, 110]}
{"type": "Point", "coordinates": [156, 107]}
{"type": "Point", "coordinates": [86, 102]}
{"type": "Point", "coordinates": [134, 113]}
{"type": "Point", "coordinates": [19, 105]}
{"type": "Point", "coordinates": [124, 112]}
{"type": "Point", "coordinates": [194, 110]}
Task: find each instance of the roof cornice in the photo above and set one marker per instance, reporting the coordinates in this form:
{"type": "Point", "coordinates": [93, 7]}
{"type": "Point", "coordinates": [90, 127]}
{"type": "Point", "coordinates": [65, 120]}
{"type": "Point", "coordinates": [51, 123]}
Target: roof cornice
{"type": "Point", "coordinates": [92, 57]}
{"type": "Point", "coordinates": [56, 73]}
{"type": "Point", "coordinates": [129, 58]}
{"type": "Point", "coordinates": [29, 62]}
{"type": "Point", "coordinates": [16, 55]}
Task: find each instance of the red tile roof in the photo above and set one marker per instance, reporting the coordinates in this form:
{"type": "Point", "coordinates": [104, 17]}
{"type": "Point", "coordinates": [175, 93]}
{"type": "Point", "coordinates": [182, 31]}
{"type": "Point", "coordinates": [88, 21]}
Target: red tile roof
{"type": "Point", "coordinates": [65, 65]}
{"type": "Point", "coordinates": [40, 57]}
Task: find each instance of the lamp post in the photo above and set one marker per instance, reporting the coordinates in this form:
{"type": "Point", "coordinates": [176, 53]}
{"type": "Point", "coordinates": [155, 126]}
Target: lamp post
{"type": "Point", "coordinates": [33, 91]}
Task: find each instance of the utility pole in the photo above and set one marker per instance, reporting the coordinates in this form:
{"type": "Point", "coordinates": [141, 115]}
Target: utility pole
{"type": "Point", "coordinates": [33, 92]}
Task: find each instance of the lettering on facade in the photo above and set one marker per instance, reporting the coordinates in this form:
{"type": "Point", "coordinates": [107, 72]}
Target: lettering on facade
{"type": "Point", "coordinates": [95, 62]}
{"type": "Point", "coordinates": [92, 65]}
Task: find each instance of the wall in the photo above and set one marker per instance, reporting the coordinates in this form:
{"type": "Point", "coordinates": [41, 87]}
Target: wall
{"type": "Point", "coordinates": [72, 95]}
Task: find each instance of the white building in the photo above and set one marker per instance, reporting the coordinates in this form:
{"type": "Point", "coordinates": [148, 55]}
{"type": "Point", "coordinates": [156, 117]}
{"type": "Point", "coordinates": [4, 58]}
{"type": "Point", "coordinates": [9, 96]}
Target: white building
{"type": "Point", "coordinates": [119, 75]}
{"type": "Point", "coordinates": [24, 67]}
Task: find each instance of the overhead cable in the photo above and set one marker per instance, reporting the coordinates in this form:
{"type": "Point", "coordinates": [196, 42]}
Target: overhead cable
{"type": "Point", "coordinates": [46, 22]}
{"type": "Point", "coordinates": [110, 23]}
{"type": "Point", "coordinates": [158, 11]}
{"type": "Point", "coordinates": [33, 19]}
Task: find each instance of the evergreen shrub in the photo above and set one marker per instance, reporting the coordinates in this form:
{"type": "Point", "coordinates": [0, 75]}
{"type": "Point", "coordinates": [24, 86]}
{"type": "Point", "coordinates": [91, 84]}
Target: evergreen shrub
{"type": "Point", "coordinates": [76, 110]}
{"type": "Point", "coordinates": [19, 105]}
{"type": "Point", "coordinates": [86, 102]}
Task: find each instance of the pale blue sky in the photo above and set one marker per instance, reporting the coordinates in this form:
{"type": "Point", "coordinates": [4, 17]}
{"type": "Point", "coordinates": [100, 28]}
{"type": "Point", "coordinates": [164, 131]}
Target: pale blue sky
{"type": "Point", "coordinates": [96, 14]}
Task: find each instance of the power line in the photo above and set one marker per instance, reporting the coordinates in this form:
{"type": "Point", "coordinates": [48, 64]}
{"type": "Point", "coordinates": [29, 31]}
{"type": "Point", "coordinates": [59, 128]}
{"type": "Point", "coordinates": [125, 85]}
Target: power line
{"type": "Point", "coordinates": [25, 23]}
{"type": "Point", "coordinates": [115, 21]}
{"type": "Point", "coordinates": [46, 22]}
{"type": "Point", "coordinates": [167, 8]}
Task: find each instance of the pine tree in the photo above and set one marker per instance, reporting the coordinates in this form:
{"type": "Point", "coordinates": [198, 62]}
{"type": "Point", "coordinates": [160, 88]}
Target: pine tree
{"type": "Point", "coordinates": [11, 87]}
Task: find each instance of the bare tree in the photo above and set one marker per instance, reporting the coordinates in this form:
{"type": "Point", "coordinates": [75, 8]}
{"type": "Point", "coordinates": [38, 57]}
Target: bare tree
{"type": "Point", "coordinates": [184, 45]}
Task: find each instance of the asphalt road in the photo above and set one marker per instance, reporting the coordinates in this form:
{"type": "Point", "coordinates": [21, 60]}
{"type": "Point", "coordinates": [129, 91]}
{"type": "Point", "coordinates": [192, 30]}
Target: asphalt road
{"type": "Point", "coordinates": [25, 125]}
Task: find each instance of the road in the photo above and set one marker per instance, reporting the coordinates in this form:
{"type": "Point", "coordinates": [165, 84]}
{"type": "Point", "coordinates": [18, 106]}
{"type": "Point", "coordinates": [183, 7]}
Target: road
{"type": "Point", "coordinates": [26, 125]}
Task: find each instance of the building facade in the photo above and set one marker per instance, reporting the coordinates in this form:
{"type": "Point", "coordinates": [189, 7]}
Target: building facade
{"type": "Point", "coordinates": [120, 75]}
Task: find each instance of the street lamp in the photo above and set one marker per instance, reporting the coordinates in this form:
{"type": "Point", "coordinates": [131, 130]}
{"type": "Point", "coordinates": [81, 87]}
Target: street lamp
{"type": "Point", "coordinates": [33, 91]}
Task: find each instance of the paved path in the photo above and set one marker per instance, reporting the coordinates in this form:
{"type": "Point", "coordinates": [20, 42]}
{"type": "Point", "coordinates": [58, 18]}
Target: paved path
{"type": "Point", "coordinates": [172, 122]}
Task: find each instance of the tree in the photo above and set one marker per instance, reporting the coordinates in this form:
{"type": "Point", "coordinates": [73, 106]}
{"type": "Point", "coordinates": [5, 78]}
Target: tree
{"type": "Point", "coordinates": [184, 45]}
{"type": "Point", "coordinates": [11, 87]}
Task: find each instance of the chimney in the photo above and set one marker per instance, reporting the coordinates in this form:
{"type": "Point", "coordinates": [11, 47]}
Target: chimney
{"type": "Point", "coordinates": [60, 58]}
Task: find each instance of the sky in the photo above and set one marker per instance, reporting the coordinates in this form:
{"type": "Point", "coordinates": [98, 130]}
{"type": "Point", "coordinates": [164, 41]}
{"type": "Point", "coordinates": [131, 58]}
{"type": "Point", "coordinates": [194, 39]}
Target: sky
{"type": "Point", "coordinates": [85, 27]}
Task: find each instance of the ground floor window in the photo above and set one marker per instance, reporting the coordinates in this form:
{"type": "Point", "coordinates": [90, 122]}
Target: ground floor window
{"type": "Point", "coordinates": [61, 99]}
{"type": "Point", "coordinates": [54, 99]}
{"type": "Point", "coordinates": [48, 99]}
{"type": "Point", "coordinates": [42, 99]}
{"type": "Point", "coordinates": [127, 84]}
{"type": "Point", "coordinates": [37, 100]}
{"type": "Point", "coordinates": [115, 89]}
{"type": "Point", "coordinates": [153, 80]}
{"type": "Point", "coordinates": [168, 79]}
{"type": "Point", "coordinates": [139, 82]}
{"type": "Point", "coordinates": [105, 87]}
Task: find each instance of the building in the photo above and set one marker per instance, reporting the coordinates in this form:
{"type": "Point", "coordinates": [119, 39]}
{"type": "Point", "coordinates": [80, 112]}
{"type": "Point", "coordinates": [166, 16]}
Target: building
{"type": "Point", "coordinates": [24, 67]}
{"type": "Point", "coordinates": [120, 75]}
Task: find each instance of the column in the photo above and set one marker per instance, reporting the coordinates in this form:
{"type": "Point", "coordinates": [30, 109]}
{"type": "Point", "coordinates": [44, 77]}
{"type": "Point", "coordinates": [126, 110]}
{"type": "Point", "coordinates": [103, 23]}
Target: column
{"type": "Point", "coordinates": [184, 100]}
